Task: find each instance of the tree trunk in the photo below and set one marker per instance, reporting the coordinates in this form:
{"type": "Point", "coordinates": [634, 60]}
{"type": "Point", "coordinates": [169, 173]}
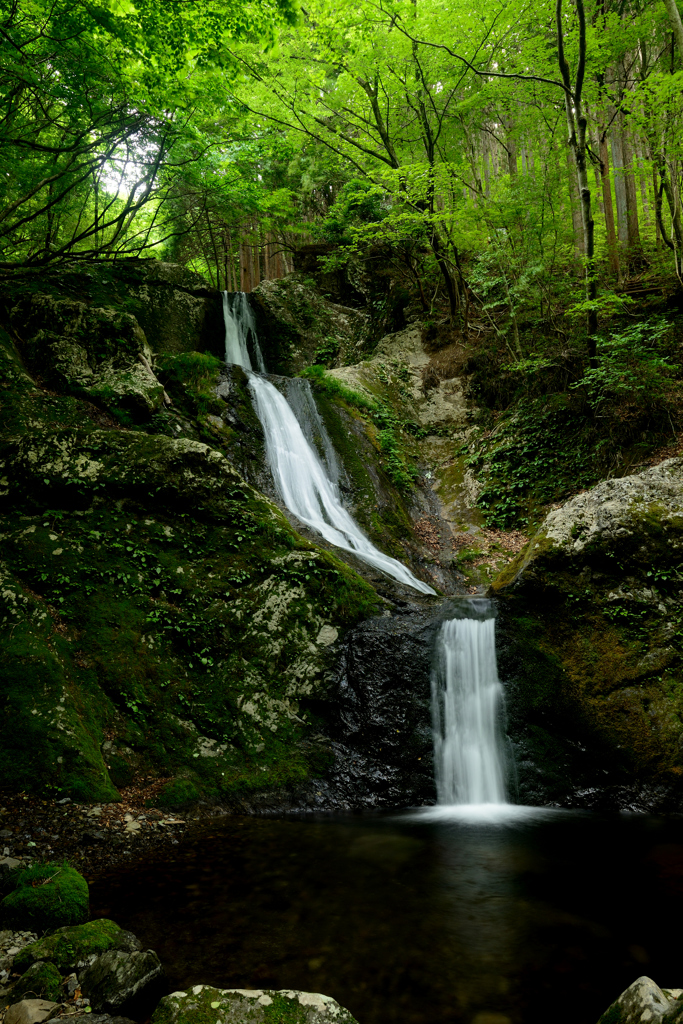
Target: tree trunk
{"type": "Point", "coordinates": [619, 187]}
{"type": "Point", "coordinates": [676, 23]}
{"type": "Point", "coordinates": [612, 244]}
{"type": "Point", "coordinates": [631, 195]}
{"type": "Point", "coordinates": [575, 205]}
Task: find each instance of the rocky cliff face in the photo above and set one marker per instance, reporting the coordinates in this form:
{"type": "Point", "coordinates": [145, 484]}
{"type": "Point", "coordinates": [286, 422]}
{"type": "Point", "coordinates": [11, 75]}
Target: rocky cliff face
{"type": "Point", "coordinates": [160, 616]}
{"type": "Point", "coordinates": [590, 633]}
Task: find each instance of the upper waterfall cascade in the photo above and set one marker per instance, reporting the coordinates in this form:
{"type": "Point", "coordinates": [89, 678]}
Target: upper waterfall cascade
{"type": "Point", "coordinates": [305, 485]}
{"type": "Point", "coordinates": [466, 703]}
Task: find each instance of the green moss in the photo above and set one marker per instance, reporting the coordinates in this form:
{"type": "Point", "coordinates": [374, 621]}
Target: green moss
{"type": "Point", "coordinates": [613, 1015]}
{"type": "Point", "coordinates": [46, 896]}
{"type": "Point", "coordinates": [41, 981]}
{"type": "Point", "coordinates": [70, 945]}
{"type": "Point", "coordinates": [179, 793]}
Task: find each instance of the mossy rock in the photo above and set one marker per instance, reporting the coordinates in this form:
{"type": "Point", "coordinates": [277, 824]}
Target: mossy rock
{"type": "Point", "coordinates": [67, 947]}
{"type": "Point", "coordinates": [179, 793]}
{"type": "Point", "coordinates": [46, 896]}
{"type": "Point", "coordinates": [40, 981]}
{"type": "Point", "coordinates": [203, 1005]}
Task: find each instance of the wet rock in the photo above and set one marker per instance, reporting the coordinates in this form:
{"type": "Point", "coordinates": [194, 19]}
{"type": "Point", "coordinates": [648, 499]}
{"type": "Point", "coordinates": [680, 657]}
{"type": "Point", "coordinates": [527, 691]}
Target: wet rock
{"type": "Point", "coordinates": [30, 1011]}
{"type": "Point", "coordinates": [383, 737]}
{"type": "Point", "coordinates": [643, 1002]}
{"type": "Point", "coordinates": [237, 1006]}
{"type": "Point", "coordinates": [116, 978]}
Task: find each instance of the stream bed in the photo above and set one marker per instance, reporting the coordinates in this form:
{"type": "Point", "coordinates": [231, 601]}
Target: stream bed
{"type": "Point", "coordinates": [407, 918]}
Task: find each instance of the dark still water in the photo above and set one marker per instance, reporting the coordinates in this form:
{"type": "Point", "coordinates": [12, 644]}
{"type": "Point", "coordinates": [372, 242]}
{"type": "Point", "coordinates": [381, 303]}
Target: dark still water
{"type": "Point", "coordinates": [417, 921]}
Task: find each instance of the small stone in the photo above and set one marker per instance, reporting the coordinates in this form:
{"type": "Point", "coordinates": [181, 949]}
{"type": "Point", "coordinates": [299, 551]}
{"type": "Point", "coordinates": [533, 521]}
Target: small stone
{"type": "Point", "coordinates": [71, 984]}
{"type": "Point", "coordinates": [29, 1011]}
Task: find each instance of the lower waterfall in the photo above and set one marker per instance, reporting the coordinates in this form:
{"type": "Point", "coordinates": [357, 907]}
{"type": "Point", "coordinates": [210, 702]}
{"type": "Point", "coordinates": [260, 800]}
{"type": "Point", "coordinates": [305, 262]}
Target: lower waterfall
{"type": "Point", "coordinates": [298, 472]}
{"type": "Point", "coordinates": [466, 703]}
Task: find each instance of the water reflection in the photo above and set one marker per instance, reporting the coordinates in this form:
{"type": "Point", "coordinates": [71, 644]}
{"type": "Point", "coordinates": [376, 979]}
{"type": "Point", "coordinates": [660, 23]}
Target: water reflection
{"type": "Point", "coordinates": [417, 921]}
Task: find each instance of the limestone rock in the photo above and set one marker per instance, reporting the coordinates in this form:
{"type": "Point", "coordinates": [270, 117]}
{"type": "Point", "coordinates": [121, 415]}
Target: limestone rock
{"type": "Point", "coordinates": [643, 1002]}
{"type": "Point", "coordinates": [239, 1006]}
{"type": "Point", "coordinates": [587, 643]}
{"type": "Point", "coordinates": [30, 1011]}
{"type": "Point", "coordinates": [616, 509]}
{"type": "Point", "coordinates": [116, 978]}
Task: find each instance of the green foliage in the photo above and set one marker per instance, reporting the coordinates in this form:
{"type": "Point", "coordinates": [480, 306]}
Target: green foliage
{"type": "Point", "coordinates": [358, 202]}
{"type": "Point", "coordinates": [46, 896]}
{"type": "Point", "coordinates": [191, 379]}
{"type": "Point", "coordinates": [631, 366]}
{"type": "Point", "coordinates": [539, 453]}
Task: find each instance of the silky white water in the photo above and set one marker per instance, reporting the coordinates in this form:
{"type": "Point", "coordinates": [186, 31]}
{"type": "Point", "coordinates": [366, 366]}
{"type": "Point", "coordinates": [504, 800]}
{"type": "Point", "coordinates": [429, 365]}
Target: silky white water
{"type": "Point", "coordinates": [466, 703]}
{"type": "Point", "coordinates": [298, 472]}
{"type": "Point", "coordinates": [240, 328]}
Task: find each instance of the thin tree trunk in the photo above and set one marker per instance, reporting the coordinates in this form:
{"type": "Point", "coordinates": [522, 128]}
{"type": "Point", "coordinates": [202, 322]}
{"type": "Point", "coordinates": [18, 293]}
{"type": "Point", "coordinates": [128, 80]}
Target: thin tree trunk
{"type": "Point", "coordinates": [575, 205]}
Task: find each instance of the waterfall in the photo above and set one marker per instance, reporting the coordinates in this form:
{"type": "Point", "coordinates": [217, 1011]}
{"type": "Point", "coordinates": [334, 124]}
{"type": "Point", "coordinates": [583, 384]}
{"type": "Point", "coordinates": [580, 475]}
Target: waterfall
{"type": "Point", "coordinates": [298, 472]}
{"type": "Point", "coordinates": [240, 328]}
{"type": "Point", "coordinates": [466, 703]}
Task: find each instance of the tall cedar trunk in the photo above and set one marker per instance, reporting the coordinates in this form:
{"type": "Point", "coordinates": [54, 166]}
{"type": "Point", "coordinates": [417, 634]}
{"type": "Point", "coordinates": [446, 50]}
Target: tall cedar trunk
{"type": "Point", "coordinates": [612, 244]}
{"type": "Point", "coordinates": [619, 187]}
{"type": "Point", "coordinates": [631, 194]}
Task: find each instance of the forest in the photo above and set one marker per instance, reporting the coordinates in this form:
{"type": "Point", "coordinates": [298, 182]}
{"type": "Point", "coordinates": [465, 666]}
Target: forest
{"type": "Point", "coordinates": [341, 507]}
{"type": "Point", "coordinates": [514, 171]}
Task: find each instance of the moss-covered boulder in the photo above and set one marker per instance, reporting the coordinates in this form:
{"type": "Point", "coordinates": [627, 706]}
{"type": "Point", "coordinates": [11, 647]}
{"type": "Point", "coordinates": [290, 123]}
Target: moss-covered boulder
{"type": "Point", "coordinates": [40, 981]}
{"type": "Point", "coordinates": [642, 1001]}
{"type": "Point", "coordinates": [69, 947]}
{"type": "Point", "coordinates": [46, 896]}
{"type": "Point", "coordinates": [98, 352]}
{"type": "Point", "coordinates": [590, 631]}
{"type": "Point", "coordinates": [204, 1004]}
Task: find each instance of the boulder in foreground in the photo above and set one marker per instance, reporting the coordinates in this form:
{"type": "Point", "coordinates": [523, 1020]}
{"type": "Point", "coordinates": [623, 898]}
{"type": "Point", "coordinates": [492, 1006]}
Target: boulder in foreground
{"type": "Point", "coordinates": [249, 1006]}
{"type": "Point", "coordinates": [644, 1002]}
